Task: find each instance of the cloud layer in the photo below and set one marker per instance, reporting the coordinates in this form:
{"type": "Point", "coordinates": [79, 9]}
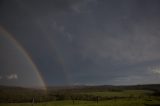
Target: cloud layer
{"type": "Point", "coordinates": [85, 41]}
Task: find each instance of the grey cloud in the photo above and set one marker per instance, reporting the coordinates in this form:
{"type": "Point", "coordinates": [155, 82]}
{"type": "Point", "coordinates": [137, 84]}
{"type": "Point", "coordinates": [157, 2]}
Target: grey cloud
{"type": "Point", "coordinates": [81, 5]}
{"type": "Point", "coordinates": [135, 79]}
{"type": "Point", "coordinates": [136, 46]}
{"type": "Point", "coordinates": [92, 41]}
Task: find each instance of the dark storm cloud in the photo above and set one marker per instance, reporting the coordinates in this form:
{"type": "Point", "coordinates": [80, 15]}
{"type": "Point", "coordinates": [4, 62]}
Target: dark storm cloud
{"type": "Point", "coordinates": [88, 41]}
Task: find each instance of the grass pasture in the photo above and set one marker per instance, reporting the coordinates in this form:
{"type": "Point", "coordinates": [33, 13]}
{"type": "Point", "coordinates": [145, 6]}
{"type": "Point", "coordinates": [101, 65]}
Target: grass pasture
{"type": "Point", "coordinates": [119, 102]}
{"type": "Point", "coordinates": [86, 97]}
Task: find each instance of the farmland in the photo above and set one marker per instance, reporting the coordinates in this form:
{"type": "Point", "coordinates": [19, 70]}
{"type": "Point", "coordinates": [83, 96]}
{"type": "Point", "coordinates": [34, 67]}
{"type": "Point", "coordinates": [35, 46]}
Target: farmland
{"type": "Point", "coordinates": [146, 95]}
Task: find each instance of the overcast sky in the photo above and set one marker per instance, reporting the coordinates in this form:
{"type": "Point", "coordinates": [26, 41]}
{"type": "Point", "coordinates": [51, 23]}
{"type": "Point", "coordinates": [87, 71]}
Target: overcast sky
{"type": "Point", "coordinates": [80, 42]}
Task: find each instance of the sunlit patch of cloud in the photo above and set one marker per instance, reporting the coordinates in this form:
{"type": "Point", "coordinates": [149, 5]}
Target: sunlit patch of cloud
{"type": "Point", "coordinates": [155, 70]}
{"type": "Point", "coordinates": [12, 76]}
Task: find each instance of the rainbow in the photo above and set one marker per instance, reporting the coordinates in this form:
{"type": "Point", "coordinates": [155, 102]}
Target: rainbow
{"type": "Point", "coordinates": [26, 56]}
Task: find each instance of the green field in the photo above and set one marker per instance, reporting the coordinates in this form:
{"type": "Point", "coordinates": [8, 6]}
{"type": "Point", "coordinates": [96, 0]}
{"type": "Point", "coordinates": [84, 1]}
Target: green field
{"type": "Point", "coordinates": [119, 102]}
{"type": "Point", "coordinates": [125, 93]}
{"type": "Point", "coordinates": [148, 95]}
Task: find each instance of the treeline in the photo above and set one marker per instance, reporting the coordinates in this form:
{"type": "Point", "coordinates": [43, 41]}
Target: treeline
{"type": "Point", "coordinates": [89, 97]}
{"type": "Point", "coordinates": [58, 97]}
{"type": "Point", "coordinates": [17, 94]}
{"type": "Point", "coordinates": [101, 88]}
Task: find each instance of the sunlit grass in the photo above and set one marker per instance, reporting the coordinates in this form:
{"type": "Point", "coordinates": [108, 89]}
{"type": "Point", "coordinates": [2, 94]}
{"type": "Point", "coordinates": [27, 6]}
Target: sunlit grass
{"type": "Point", "coordinates": [119, 102]}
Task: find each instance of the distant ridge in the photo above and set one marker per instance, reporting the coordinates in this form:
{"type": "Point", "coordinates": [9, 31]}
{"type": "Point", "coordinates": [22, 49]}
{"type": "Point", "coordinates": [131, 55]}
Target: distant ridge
{"type": "Point", "coordinates": [145, 86]}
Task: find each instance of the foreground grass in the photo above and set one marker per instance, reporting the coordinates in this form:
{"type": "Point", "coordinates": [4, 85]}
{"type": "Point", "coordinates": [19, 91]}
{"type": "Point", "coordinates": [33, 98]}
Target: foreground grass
{"type": "Point", "coordinates": [118, 102]}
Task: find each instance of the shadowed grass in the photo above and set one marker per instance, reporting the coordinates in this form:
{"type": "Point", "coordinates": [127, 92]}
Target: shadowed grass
{"type": "Point", "coordinates": [119, 102]}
